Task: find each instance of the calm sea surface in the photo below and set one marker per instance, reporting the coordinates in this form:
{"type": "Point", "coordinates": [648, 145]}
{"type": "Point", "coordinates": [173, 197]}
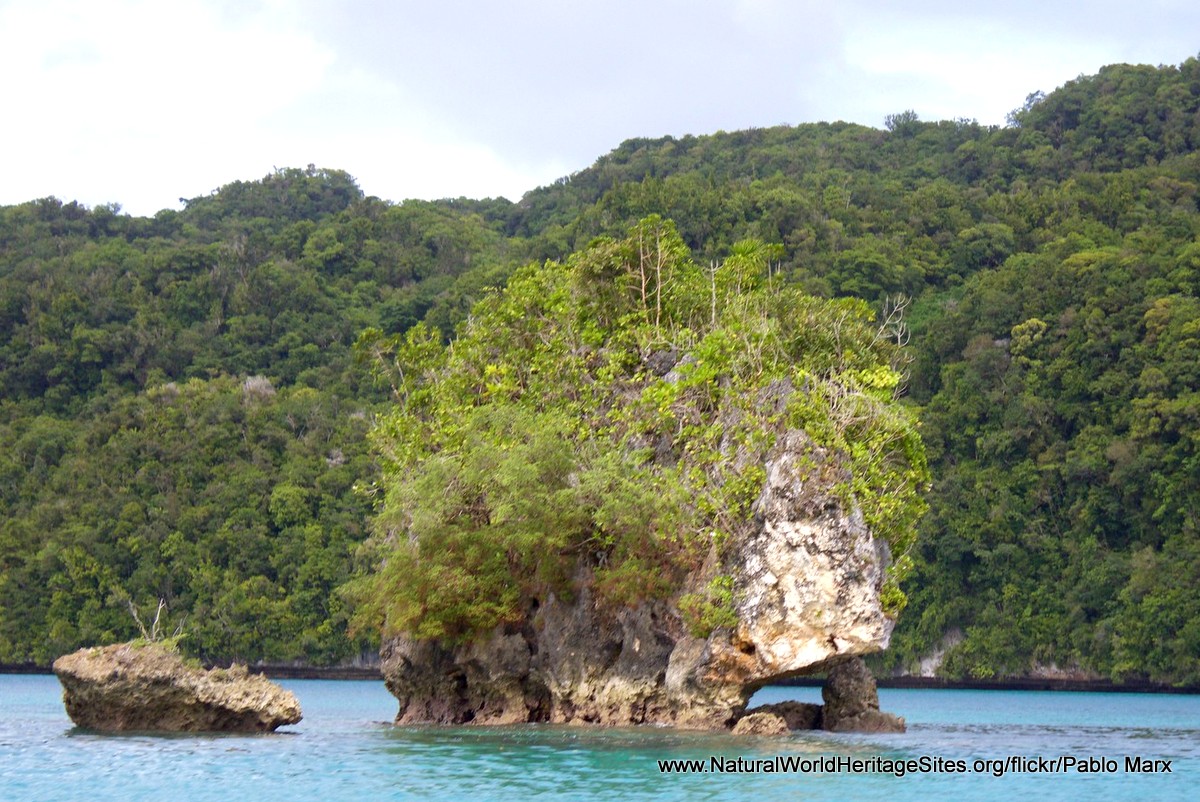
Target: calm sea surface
{"type": "Point", "coordinates": [345, 750]}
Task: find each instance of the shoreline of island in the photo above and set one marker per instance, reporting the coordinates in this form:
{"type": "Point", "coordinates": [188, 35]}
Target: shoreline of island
{"type": "Point", "coordinates": [287, 672]}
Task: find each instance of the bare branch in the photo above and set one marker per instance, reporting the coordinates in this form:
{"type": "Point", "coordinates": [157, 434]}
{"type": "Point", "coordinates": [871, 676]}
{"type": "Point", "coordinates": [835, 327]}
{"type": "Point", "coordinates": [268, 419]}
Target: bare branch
{"type": "Point", "coordinates": [137, 619]}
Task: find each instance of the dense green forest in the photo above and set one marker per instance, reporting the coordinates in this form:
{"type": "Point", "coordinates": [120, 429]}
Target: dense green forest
{"type": "Point", "coordinates": [183, 416]}
{"type": "Point", "coordinates": [186, 398]}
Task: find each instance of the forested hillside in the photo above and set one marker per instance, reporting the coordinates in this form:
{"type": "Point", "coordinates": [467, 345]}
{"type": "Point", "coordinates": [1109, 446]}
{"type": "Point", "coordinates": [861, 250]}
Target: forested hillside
{"type": "Point", "coordinates": [184, 411]}
{"type": "Point", "coordinates": [182, 414]}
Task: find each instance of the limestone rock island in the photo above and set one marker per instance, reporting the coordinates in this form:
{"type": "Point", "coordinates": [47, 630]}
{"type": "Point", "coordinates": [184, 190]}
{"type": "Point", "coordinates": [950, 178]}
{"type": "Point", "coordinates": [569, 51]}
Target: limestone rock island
{"type": "Point", "coordinates": [809, 578]}
{"type": "Point", "coordinates": [633, 490]}
{"type": "Point", "coordinates": [148, 687]}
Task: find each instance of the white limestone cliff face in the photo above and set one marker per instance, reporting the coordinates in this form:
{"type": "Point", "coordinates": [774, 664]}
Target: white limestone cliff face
{"type": "Point", "coordinates": [810, 577]}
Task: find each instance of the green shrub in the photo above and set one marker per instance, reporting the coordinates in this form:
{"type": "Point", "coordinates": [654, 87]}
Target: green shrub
{"type": "Point", "coordinates": [606, 421]}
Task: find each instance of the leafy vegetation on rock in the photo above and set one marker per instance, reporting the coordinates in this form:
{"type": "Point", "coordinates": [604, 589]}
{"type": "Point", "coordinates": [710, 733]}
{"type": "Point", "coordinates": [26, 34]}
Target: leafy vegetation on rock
{"type": "Point", "coordinates": [606, 420]}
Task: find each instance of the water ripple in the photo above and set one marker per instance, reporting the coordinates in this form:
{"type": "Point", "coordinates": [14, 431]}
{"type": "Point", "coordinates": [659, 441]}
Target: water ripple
{"type": "Point", "coordinates": [343, 750]}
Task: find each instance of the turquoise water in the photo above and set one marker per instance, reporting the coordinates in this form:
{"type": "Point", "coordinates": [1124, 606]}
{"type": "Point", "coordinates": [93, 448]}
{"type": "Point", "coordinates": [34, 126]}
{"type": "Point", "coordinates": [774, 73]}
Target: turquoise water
{"type": "Point", "coordinates": [345, 750]}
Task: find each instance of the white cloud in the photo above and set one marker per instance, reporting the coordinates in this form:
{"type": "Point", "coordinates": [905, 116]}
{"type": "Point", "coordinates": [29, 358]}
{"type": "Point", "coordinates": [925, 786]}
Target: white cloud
{"type": "Point", "coordinates": [974, 69]}
{"type": "Point", "coordinates": [981, 62]}
{"type": "Point", "coordinates": [146, 99]}
{"type": "Point", "coordinates": [142, 102]}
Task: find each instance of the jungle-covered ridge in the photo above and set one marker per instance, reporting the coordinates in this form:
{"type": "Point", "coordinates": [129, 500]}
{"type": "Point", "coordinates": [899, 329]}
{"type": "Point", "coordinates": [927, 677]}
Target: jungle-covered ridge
{"type": "Point", "coordinates": [184, 412]}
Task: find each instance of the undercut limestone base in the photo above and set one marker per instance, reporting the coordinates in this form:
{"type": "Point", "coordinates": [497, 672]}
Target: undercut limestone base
{"type": "Point", "coordinates": [807, 576]}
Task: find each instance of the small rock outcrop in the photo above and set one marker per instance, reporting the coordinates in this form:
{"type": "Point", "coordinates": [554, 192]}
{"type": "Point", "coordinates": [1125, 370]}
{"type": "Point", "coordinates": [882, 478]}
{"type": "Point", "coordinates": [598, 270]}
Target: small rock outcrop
{"type": "Point", "coordinates": [796, 715]}
{"type": "Point", "coordinates": [761, 723]}
{"type": "Point", "coordinates": [148, 687]}
{"type": "Point", "coordinates": [852, 701]}
{"type": "Point", "coordinates": [851, 705]}
{"type": "Point", "coordinates": [807, 579]}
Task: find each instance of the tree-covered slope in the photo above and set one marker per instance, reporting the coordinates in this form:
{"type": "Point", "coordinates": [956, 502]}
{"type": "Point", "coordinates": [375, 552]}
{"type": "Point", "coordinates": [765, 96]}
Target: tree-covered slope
{"type": "Point", "coordinates": [1063, 424]}
{"type": "Point", "coordinates": [1050, 266]}
{"type": "Point", "coordinates": [181, 414]}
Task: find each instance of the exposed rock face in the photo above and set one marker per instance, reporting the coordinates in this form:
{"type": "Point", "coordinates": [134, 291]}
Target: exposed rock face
{"type": "Point", "coordinates": [571, 663]}
{"type": "Point", "coordinates": [148, 687]}
{"type": "Point", "coordinates": [761, 723]}
{"type": "Point", "coordinates": [852, 701]}
{"type": "Point", "coordinates": [851, 705]}
{"type": "Point", "coordinates": [811, 575]}
{"type": "Point", "coordinates": [796, 715]}
{"type": "Point", "coordinates": [807, 577]}
{"type": "Point", "coordinates": [930, 663]}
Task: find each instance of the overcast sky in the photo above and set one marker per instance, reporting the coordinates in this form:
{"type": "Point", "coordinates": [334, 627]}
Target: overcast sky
{"type": "Point", "coordinates": [142, 102]}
